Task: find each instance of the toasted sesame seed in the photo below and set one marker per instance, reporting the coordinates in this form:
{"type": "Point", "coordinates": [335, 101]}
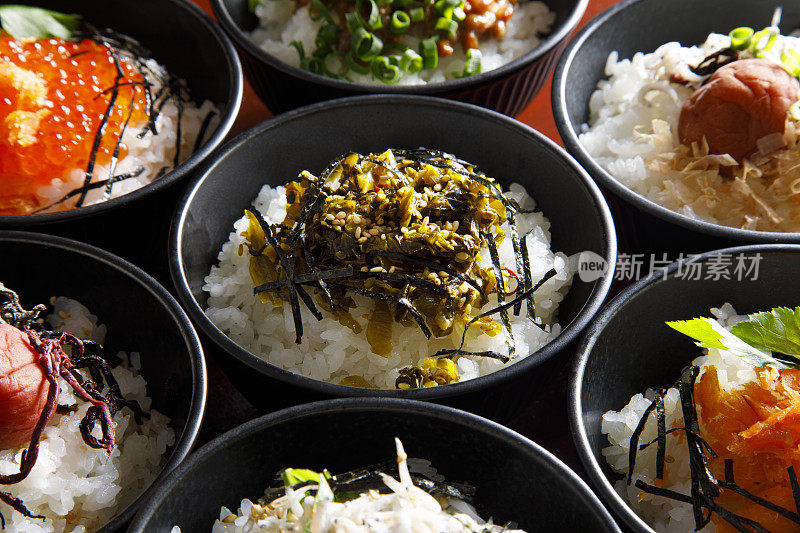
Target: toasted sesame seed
{"type": "Point", "coordinates": [341, 215]}
{"type": "Point", "coordinates": [404, 230]}
{"type": "Point", "coordinates": [362, 240]}
{"type": "Point", "coordinates": [358, 232]}
{"type": "Point", "coordinates": [455, 225]}
{"type": "Point", "coordinates": [392, 269]}
{"type": "Point", "coordinates": [364, 269]}
{"type": "Point", "coordinates": [462, 256]}
{"type": "Point", "coordinates": [443, 274]}
{"type": "Point", "coordinates": [383, 236]}
{"type": "Point", "coordinates": [437, 187]}
{"type": "Point", "coordinates": [376, 269]}
{"type": "Point", "coordinates": [329, 217]}
{"type": "Point", "coordinates": [426, 221]}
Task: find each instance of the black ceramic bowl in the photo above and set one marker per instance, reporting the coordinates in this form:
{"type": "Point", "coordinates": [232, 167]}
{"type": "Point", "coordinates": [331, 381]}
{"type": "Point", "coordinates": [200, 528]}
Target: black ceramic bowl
{"type": "Point", "coordinates": [629, 349]}
{"type": "Point", "coordinates": [516, 479]}
{"type": "Point", "coordinates": [310, 138]}
{"type": "Point", "coordinates": [140, 315]}
{"type": "Point", "coordinates": [191, 46]}
{"type": "Point", "coordinates": [507, 89]}
{"type": "Point", "coordinates": [642, 26]}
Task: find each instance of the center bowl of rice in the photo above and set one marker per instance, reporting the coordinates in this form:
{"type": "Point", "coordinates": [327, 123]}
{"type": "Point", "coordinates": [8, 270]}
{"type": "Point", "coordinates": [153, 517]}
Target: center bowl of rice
{"type": "Point", "coordinates": [518, 72]}
{"type": "Point", "coordinates": [216, 287]}
{"type": "Point", "coordinates": [182, 44]}
{"type": "Point", "coordinates": [633, 28]}
{"type": "Point", "coordinates": [514, 478]}
{"type": "Point", "coordinates": [98, 296]}
{"type": "Point", "coordinates": [629, 350]}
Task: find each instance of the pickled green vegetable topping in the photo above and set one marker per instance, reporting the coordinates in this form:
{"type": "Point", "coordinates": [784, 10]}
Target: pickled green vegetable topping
{"type": "Point", "coordinates": [404, 228]}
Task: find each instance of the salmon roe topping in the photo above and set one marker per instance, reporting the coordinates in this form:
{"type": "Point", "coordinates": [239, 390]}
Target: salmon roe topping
{"type": "Point", "coordinates": [54, 95]}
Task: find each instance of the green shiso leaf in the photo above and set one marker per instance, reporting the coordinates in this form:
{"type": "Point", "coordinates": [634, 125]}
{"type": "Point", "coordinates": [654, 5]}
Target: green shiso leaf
{"type": "Point", "coordinates": [710, 334]}
{"type": "Point", "coordinates": [776, 331]}
{"type": "Point", "coordinates": [26, 22]}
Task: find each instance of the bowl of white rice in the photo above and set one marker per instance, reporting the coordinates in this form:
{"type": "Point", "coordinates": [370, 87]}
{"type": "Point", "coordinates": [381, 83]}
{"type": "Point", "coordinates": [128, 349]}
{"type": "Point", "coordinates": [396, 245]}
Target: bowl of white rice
{"type": "Point", "coordinates": [513, 69]}
{"type": "Point", "coordinates": [214, 282]}
{"type": "Point", "coordinates": [631, 144]}
{"type": "Point", "coordinates": [156, 359]}
{"type": "Point", "coordinates": [515, 479]}
{"type": "Point", "coordinates": [196, 81]}
{"type": "Point", "coordinates": [630, 351]}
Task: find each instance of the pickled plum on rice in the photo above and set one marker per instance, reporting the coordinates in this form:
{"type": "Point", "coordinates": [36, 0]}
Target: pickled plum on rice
{"type": "Point", "coordinates": [69, 422]}
{"type": "Point", "coordinates": [710, 131]}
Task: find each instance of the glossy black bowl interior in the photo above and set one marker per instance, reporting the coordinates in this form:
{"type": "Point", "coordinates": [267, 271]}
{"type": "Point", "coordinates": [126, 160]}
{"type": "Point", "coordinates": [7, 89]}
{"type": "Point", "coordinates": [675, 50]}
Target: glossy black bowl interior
{"type": "Point", "coordinates": [506, 89]}
{"type": "Point", "coordinates": [191, 46]}
{"type": "Point", "coordinates": [642, 26]}
{"type": "Point", "coordinates": [140, 315]}
{"type": "Point", "coordinates": [629, 349]}
{"type": "Point", "coordinates": [515, 478]}
{"type": "Point", "coordinates": [276, 151]}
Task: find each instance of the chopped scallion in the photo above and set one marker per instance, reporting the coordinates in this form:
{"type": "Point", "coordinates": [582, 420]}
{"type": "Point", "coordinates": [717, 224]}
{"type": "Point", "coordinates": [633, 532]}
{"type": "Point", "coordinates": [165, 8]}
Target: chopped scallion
{"type": "Point", "coordinates": [429, 52]}
{"type": "Point", "coordinates": [411, 62]}
{"type": "Point", "coordinates": [400, 22]}
{"type": "Point", "coordinates": [365, 45]}
{"type": "Point", "coordinates": [417, 14]}
{"type": "Point", "coordinates": [384, 69]}
{"type": "Point", "coordinates": [740, 38]}
{"type": "Point", "coordinates": [335, 64]}
{"type": "Point", "coordinates": [447, 26]}
{"type": "Point", "coordinates": [356, 65]}
{"type": "Point", "coordinates": [373, 20]}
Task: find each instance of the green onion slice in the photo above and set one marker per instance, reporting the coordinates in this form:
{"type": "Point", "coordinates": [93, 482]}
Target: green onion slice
{"type": "Point", "coordinates": [764, 40]}
{"type": "Point", "coordinates": [365, 45]}
{"type": "Point", "coordinates": [373, 20]}
{"type": "Point", "coordinates": [311, 64]}
{"type": "Point", "coordinates": [384, 69]}
{"type": "Point", "coordinates": [473, 64]}
{"type": "Point", "coordinates": [429, 52]}
{"type": "Point", "coordinates": [458, 14]}
{"type": "Point", "coordinates": [356, 65]}
{"type": "Point", "coordinates": [790, 60]}
{"type": "Point", "coordinates": [298, 45]}
{"type": "Point", "coordinates": [447, 26]}
{"type": "Point", "coordinates": [322, 12]}
{"type": "Point", "coordinates": [417, 14]}
{"type": "Point", "coordinates": [411, 62]}
{"type": "Point", "coordinates": [353, 22]}
{"type": "Point", "coordinates": [740, 38]}
{"type": "Point", "coordinates": [335, 64]}
{"type": "Point", "coordinates": [400, 22]}
{"type": "Point", "coordinates": [794, 111]}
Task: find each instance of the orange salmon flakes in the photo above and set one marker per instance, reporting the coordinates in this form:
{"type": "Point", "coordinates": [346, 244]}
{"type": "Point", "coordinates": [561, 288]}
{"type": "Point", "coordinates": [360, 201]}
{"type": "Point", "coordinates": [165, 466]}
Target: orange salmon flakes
{"type": "Point", "coordinates": [758, 427]}
{"type": "Point", "coordinates": [53, 97]}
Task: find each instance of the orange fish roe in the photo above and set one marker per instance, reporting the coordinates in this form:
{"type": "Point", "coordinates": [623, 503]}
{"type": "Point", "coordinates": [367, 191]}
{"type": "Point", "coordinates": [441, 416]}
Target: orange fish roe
{"type": "Point", "coordinates": [758, 427]}
{"type": "Point", "coordinates": [53, 97]}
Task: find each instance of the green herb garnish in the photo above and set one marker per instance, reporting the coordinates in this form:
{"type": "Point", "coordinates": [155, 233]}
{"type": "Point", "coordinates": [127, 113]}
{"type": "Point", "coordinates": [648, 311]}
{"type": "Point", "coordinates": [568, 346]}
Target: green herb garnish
{"type": "Point", "coordinates": [26, 22]}
{"type": "Point", "coordinates": [770, 338]}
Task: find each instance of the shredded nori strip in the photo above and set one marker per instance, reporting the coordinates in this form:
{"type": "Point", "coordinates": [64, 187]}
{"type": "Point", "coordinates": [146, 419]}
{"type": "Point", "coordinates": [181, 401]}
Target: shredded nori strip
{"type": "Point", "coordinates": [501, 294]}
{"type": "Point", "coordinates": [634, 442]}
{"type": "Point", "coordinates": [715, 61]}
{"type": "Point", "coordinates": [795, 488]}
{"type": "Point", "coordinates": [504, 358]}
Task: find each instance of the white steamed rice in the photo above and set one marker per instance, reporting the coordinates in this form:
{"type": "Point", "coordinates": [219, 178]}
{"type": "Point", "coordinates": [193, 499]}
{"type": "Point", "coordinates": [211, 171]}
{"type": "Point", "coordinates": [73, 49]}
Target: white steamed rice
{"type": "Point", "coordinates": [279, 26]}
{"type": "Point", "coordinates": [331, 352]}
{"type": "Point", "coordinates": [78, 488]}
{"type": "Point", "coordinates": [633, 134]}
{"type": "Point", "coordinates": [664, 514]}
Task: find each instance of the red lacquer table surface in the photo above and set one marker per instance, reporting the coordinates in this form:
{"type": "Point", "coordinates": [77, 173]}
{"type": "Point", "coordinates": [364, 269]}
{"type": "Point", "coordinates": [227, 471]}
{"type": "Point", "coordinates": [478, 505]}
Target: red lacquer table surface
{"type": "Point", "coordinates": [535, 408]}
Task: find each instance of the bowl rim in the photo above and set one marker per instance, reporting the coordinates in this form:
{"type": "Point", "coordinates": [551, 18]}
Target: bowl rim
{"type": "Point", "coordinates": [233, 101]}
{"type": "Point", "coordinates": [583, 353]}
{"type": "Point", "coordinates": [387, 406]}
{"type": "Point", "coordinates": [549, 43]}
{"type": "Point", "coordinates": [570, 332]}
{"type": "Point", "coordinates": [640, 202]}
{"type": "Point", "coordinates": [186, 440]}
